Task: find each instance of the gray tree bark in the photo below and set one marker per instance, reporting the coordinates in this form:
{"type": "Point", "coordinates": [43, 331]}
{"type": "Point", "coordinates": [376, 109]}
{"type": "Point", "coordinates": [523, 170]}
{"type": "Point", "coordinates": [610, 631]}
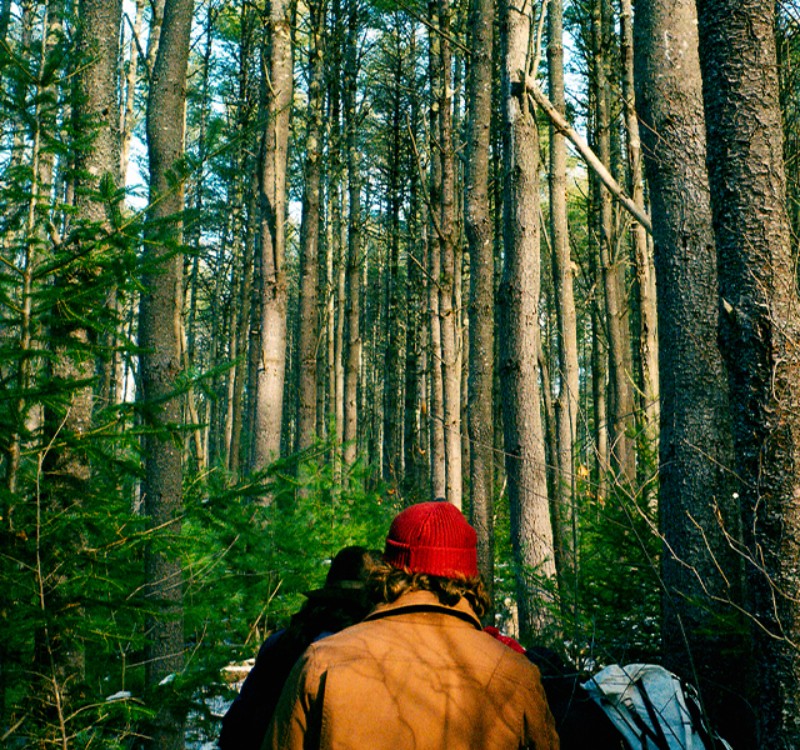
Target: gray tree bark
{"type": "Point", "coordinates": [160, 364]}
{"type": "Point", "coordinates": [700, 568]}
{"type": "Point", "coordinates": [612, 268]}
{"type": "Point", "coordinates": [276, 108]}
{"type": "Point", "coordinates": [642, 249]}
{"type": "Point", "coordinates": [354, 261]}
{"type": "Point", "coordinates": [567, 403]}
{"type": "Point", "coordinates": [531, 529]}
{"type": "Point", "coordinates": [308, 318]}
{"type": "Point", "coordinates": [481, 274]}
{"type": "Point", "coordinates": [438, 450]}
{"type": "Point", "coordinates": [449, 265]}
{"type": "Point", "coordinates": [759, 334]}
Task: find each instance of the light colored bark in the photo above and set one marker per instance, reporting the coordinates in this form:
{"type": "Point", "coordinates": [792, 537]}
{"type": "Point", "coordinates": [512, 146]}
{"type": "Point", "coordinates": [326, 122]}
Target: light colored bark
{"type": "Point", "coordinates": [276, 107]}
{"type": "Point", "coordinates": [642, 249]}
{"type": "Point", "coordinates": [127, 121]}
{"type": "Point", "coordinates": [567, 403]}
{"type": "Point", "coordinates": [532, 534]}
{"type": "Point", "coordinates": [438, 450]}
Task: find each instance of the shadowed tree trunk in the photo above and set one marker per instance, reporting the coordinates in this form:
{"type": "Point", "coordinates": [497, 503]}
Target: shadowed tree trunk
{"type": "Point", "coordinates": [354, 264]}
{"type": "Point", "coordinates": [700, 568]}
{"type": "Point", "coordinates": [308, 318]}
{"type": "Point", "coordinates": [759, 334]}
{"type": "Point", "coordinates": [481, 295]}
{"type": "Point", "coordinates": [642, 253]}
{"type": "Point", "coordinates": [160, 359]}
{"type": "Point", "coordinates": [437, 417]}
{"type": "Point", "coordinates": [449, 263]}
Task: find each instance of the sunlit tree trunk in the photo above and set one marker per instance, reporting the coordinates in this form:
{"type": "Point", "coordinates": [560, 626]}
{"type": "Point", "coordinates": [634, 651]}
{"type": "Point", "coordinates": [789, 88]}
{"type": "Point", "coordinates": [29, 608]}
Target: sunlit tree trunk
{"type": "Point", "coordinates": [567, 404]}
{"type": "Point", "coordinates": [127, 119]}
{"type": "Point", "coordinates": [276, 107]}
{"type": "Point", "coordinates": [532, 536]}
{"type": "Point", "coordinates": [437, 406]}
{"type": "Point", "coordinates": [642, 248]}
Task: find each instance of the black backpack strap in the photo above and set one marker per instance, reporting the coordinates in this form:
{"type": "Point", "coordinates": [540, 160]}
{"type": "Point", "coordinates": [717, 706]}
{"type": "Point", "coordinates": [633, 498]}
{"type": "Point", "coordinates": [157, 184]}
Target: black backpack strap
{"type": "Point", "coordinates": [658, 734]}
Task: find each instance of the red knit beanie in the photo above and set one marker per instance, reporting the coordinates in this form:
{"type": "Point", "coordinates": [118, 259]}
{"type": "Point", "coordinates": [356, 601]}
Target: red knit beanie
{"type": "Point", "coordinates": [432, 538]}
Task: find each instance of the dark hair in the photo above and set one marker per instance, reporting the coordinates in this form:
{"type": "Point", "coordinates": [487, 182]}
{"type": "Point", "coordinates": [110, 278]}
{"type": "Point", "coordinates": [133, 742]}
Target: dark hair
{"type": "Point", "coordinates": [341, 602]}
{"type": "Point", "coordinates": [387, 583]}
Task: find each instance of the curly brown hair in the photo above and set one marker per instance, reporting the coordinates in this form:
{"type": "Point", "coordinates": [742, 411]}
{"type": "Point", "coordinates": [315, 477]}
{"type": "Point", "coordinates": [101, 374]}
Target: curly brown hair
{"type": "Point", "coordinates": [387, 583]}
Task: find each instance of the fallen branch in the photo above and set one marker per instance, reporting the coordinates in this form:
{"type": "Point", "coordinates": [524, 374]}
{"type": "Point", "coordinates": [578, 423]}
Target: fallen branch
{"type": "Point", "coordinates": [560, 124]}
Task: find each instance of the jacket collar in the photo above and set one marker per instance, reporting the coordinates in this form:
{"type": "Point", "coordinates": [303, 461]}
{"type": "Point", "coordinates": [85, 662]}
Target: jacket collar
{"type": "Point", "coordinates": [425, 601]}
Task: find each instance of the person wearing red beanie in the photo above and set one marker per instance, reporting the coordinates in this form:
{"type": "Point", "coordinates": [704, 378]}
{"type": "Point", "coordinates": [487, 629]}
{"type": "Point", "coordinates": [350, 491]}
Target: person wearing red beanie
{"type": "Point", "coordinates": [419, 672]}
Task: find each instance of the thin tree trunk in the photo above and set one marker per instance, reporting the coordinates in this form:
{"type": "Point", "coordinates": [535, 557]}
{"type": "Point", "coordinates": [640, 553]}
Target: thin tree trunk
{"type": "Point", "coordinates": [449, 263]}
{"type": "Point", "coordinates": [621, 413]}
{"type": "Point", "coordinates": [642, 249]}
{"type": "Point", "coordinates": [437, 405]}
{"type": "Point", "coordinates": [481, 274]}
{"type": "Point", "coordinates": [308, 318]}
{"type": "Point", "coordinates": [393, 393]}
{"type": "Point", "coordinates": [567, 404]}
{"type": "Point", "coordinates": [354, 264]}
{"type": "Point", "coordinates": [127, 118]}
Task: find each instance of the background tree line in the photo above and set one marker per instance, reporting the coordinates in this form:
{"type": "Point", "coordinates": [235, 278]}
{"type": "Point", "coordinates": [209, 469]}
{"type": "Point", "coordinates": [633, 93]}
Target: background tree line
{"type": "Point", "coordinates": [271, 270]}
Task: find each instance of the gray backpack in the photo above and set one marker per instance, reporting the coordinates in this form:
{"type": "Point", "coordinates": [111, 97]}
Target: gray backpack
{"type": "Point", "coordinates": [652, 708]}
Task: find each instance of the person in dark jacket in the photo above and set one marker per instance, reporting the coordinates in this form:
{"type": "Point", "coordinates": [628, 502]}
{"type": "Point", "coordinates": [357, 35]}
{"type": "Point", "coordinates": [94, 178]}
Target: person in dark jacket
{"type": "Point", "coordinates": [341, 602]}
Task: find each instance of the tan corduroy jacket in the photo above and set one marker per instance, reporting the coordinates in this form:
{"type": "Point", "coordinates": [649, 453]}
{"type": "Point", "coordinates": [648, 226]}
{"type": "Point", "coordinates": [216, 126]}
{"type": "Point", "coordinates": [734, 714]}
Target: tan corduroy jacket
{"type": "Point", "coordinates": [415, 675]}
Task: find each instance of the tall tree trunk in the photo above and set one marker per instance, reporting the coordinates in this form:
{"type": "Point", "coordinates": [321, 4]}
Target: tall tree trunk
{"type": "Point", "coordinates": [532, 535]}
{"type": "Point", "coordinates": [613, 270]}
{"type": "Point", "coordinates": [354, 264]}
{"type": "Point", "coordinates": [276, 96]}
{"type": "Point", "coordinates": [160, 361]}
{"type": "Point", "coordinates": [481, 274]}
{"type": "Point", "coordinates": [129, 101]}
{"type": "Point", "coordinates": [308, 318]}
{"type": "Point", "coordinates": [567, 404]}
{"type": "Point", "coordinates": [759, 334]}
{"type": "Point", "coordinates": [700, 568]}
{"type": "Point", "coordinates": [437, 406]}
{"type": "Point", "coordinates": [393, 393]}
{"type": "Point", "coordinates": [449, 260]}
{"type": "Point", "coordinates": [642, 249]}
